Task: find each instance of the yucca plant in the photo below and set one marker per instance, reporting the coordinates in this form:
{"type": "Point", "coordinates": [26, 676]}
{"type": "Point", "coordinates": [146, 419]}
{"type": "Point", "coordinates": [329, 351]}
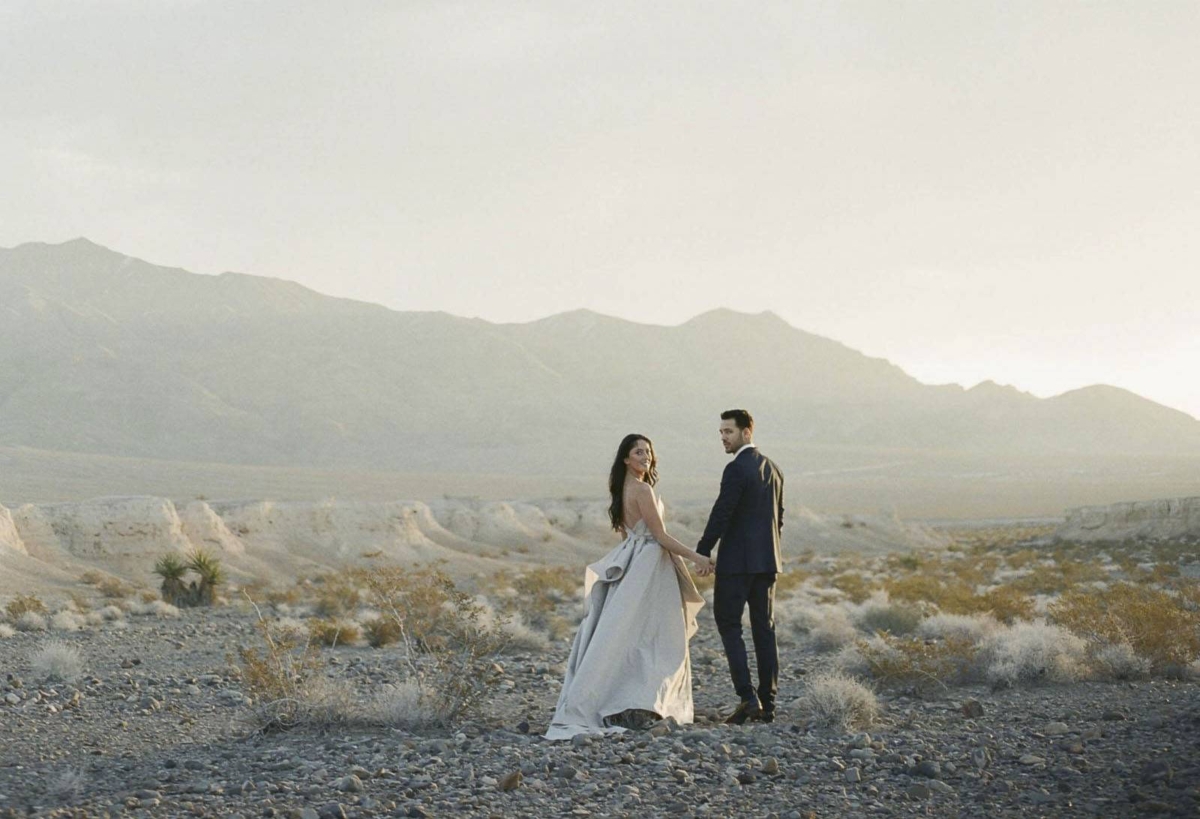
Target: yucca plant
{"type": "Point", "coordinates": [171, 569]}
{"type": "Point", "coordinates": [211, 576]}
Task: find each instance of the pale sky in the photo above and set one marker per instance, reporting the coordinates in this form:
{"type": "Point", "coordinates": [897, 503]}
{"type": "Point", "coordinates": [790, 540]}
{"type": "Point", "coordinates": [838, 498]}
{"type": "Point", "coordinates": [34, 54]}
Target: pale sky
{"type": "Point", "coordinates": [1006, 191]}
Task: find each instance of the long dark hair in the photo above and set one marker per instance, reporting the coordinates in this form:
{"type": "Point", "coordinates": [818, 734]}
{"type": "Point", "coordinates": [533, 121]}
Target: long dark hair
{"type": "Point", "coordinates": [616, 478]}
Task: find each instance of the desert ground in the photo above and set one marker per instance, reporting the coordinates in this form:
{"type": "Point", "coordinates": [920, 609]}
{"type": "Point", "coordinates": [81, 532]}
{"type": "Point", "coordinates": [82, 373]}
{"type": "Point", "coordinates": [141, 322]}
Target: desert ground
{"type": "Point", "coordinates": [979, 671]}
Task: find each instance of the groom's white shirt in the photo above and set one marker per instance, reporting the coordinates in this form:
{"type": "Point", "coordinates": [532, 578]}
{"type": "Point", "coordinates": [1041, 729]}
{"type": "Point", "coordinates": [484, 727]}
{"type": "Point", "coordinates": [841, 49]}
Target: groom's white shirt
{"type": "Point", "coordinates": [745, 447]}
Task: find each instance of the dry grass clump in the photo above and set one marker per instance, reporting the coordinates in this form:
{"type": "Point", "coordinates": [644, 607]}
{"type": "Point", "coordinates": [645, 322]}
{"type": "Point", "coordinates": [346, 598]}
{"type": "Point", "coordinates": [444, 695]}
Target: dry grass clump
{"type": "Point", "coordinates": [953, 596]}
{"type": "Point", "coordinates": [6, 631]}
{"type": "Point", "coordinates": [113, 588]}
{"type": "Point", "coordinates": [77, 603]}
{"type": "Point", "coordinates": [155, 608]}
{"type": "Point", "coordinates": [450, 638]}
{"type": "Point", "coordinates": [282, 679]}
{"type": "Point", "coordinates": [833, 631]}
{"type": "Point", "coordinates": [791, 580]}
{"type": "Point", "coordinates": [519, 635]}
{"type": "Point", "coordinates": [447, 645]}
{"type": "Point", "coordinates": [918, 662]}
{"type": "Point", "coordinates": [891, 618]}
{"type": "Point", "coordinates": [67, 787]}
{"type": "Point", "coordinates": [66, 621]}
{"type": "Point", "coordinates": [263, 590]}
{"type": "Point", "coordinates": [856, 587]}
{"type": "Point", "coordinates": [1031, 653]}
{"type": "Point", "coordinates": [337, 595]}
{"type": "Point", "coordinates": [1119, 661]}
{"type": "Point", "coordinates": [403, 706]}
{"type": "Point", "coordinates": [381, 631]}
{"type": "Point", "coordinates": [971, 627]}
{"type": "Point", "coordinates": [23, 603]}
{"type": "Point", "coordinates": [31, 621]}
{"type": "Point", "coordinates": [1058, 577]}
{"type": "Point", "coordinates": [1006, 603]}
{"type": "Point", "coordinates": [537, 594]}
{"type": "Point", "coordinates": [91, 577]}
{"type": "Point", "coordinates": [1156, 625]}
{"type": "Point", "coordinates": [330, 632]}
{"type": "Point", "coordinates": [555, 583]}
{"type": "Point", "coordinates": [57, 662]}
{"type": "Point", "coordinates": [835, 700]}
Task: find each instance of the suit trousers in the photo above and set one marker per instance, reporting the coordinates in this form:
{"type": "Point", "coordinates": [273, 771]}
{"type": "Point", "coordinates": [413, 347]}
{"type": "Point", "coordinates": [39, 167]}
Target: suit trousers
{"type": "Point", "coordinates": [730, 596]}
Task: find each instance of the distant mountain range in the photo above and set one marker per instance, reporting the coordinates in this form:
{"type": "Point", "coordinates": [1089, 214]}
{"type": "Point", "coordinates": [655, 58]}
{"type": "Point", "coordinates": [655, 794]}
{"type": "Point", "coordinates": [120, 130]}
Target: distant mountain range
{"type": "Point", "coordinates": [103, 353]}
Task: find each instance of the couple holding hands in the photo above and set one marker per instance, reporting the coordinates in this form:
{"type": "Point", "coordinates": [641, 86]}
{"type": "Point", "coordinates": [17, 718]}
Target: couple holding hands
{"type": "Point", "coordinates": [629, 664]}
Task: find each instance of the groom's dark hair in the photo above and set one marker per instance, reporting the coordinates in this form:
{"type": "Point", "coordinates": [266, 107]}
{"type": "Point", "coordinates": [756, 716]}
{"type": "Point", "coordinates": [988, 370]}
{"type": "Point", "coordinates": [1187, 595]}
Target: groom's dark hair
{"type": "Point", "coordinates": [740, 417]}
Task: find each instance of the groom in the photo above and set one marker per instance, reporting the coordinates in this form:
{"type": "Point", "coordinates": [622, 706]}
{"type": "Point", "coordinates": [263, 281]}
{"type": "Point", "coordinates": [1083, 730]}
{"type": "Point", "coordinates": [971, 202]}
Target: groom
{"type": "Point", "coordinates": [747, 519]}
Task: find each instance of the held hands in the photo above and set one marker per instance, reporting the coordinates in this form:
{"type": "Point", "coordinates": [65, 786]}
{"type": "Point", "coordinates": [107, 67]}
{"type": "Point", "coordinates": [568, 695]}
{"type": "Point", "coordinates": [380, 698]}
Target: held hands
{"type": "Point", "coordinates": [705, 565]}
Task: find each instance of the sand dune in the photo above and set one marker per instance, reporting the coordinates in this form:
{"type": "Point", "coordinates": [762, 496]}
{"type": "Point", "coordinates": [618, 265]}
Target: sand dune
{"type": "Point", "coordinates": [47, 546]}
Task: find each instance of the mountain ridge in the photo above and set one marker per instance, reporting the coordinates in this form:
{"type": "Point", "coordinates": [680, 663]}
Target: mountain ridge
{"type": "Point", "coordinates": [111, 354]}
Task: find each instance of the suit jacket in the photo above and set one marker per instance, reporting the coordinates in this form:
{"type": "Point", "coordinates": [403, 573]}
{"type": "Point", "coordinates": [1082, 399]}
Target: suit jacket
{"type": "Point", "coordinates": [747, 517]}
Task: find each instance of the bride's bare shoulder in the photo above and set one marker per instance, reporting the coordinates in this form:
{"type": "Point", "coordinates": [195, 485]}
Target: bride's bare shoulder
{"type": "Point", "coordinates": [641, 490]}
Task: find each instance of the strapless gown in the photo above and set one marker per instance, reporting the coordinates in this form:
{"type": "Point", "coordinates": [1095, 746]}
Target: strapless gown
{"type": "Point", "coordinates": [631, 650]}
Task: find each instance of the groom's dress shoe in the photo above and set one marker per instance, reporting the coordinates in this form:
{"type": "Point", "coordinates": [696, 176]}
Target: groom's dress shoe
{"type": "Point", "coordinates": [748, 709]}
{"type": "Point", "coordinates": [764, 716]}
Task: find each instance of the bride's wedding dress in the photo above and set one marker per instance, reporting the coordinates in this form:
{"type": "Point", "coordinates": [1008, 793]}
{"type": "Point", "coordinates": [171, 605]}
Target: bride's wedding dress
{"type": "Point", "coordinates": [631, 650]}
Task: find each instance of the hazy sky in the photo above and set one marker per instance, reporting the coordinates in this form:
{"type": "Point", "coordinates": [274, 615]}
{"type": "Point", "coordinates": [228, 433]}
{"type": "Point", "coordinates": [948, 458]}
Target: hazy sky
{"type": "Point", "coordinates": [973, 190]}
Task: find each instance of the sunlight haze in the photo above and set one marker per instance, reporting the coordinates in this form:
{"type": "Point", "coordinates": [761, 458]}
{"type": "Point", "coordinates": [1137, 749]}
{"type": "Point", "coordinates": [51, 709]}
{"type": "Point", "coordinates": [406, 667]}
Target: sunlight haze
{"type": "Point", "coordinates": [1003, 191]}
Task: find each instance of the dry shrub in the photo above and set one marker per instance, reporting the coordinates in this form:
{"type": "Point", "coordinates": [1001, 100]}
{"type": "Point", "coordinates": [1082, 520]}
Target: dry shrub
{"type": "Point", "coordinates": [448, 649]}
{"type": "Point", "coordinates": [79, 603]}
{"type": "Point", "coordinates": [1157, 625]}
{"type": "Point", "coordinates": [917, 662]}
{"type": "Point", "coordinates": [891, 618]}
{"type": "Point", "coordinates": [91, 577]}
{"type": "Point", "coordinates": [1005, 603]}
{"type": "Point", "coordinates": [31, 621]}
{"type": "Point", "coordinates": [450, 638]}
{"type": "Point", "coordinates": [834, 630]}
{"type": "Point", "coordinates": [1031, 653]}
{"type": "Point", "coordinates": [952, 596]}
{"type": "Point", "coordinates": [557, 584]}
{"type": "Point", "coordinates": [1119, 661]}
{"type": "Point", "coordinates": [330, 632]}
{"type": "Point", "coordinates": [281, 678]}
{"type": "Point", "coordinates": [539, 592]}
{"type": "Point", "coordinates": [925, 588]}
{"type": "Point", "coordinates": [789, 581]}
{"type": "Point", "coordinates": [6, 631]}
{"type": "Point", "coordinates": [57, 662]}
{"type": "Point", "coordinates": [66, 621]}
{"type": "Point", "coordinates": [155, 608]}
{"type": "Point", "coordinates": [854, 586]}
{"type": "Point", "coordinates": [834, 700]}
{"type": "Point", "coordinates": [1058, 578]}
{"type": "Point", "coordinates": [381, 631]}
{"type": "Point", "coordinates": [68, 786]}
{"type": "Point", "coordinates": [338, 595]}
{"type": "Point", "coordinates": [263, 590]}
{"type": "Point", "coordinates": [970, 627]}
{"type": "Point", "coordinates": [113, 588]}
{"type": "Point", "coordinates": [24, 603]}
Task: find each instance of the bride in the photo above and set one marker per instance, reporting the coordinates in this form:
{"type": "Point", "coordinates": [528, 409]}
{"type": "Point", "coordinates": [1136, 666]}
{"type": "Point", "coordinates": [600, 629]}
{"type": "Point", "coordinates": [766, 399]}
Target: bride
{"type": "Point", "coordinates": [629, 664]}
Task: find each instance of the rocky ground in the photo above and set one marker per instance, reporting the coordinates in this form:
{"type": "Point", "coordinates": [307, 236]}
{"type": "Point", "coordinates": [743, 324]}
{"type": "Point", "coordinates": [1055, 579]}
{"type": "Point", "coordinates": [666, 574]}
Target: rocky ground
{"type": "Point", "coordinates": [159, 726]}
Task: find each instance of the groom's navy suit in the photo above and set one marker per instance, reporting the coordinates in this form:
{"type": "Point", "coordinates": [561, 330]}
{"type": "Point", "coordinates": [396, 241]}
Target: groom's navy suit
{"type": "Point", "coordinates": [747, 519]}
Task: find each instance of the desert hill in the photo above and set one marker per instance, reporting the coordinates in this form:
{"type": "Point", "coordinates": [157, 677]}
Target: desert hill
{"type": "Point", "coordinates": [102, 353]}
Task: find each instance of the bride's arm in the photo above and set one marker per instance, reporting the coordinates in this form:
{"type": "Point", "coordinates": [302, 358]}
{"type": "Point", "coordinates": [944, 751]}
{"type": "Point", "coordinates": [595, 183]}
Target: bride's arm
{"type": "Point", "coordinates": [648, 507]}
